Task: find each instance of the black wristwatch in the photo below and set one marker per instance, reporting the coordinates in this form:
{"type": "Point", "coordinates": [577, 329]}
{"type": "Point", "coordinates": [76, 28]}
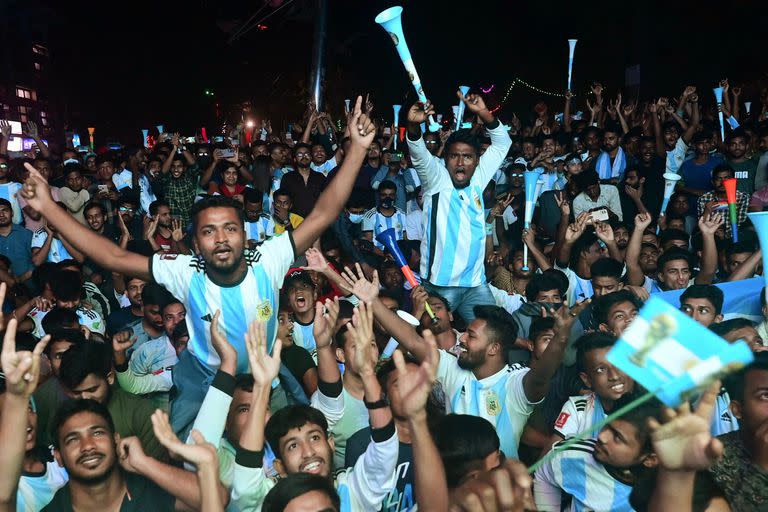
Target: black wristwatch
{"type": "Point", "coordinates": [378, 404]}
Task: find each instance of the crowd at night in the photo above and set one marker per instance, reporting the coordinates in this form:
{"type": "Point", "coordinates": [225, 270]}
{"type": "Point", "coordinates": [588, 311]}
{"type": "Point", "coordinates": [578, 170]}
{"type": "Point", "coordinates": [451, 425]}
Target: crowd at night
{"type": "Point", "coordinates": [380, 307]}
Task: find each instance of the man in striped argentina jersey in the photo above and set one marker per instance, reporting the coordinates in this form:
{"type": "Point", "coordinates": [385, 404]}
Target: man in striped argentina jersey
{"type": "Point", "coordinates": [385, 216]}
{"type": "Point", "coordinates": [597, 474]}
{"type": "Point", "coordinates": [453, 244]}
{"type": "Point", "coordinates": [606, 382]}
{"type": "Point", "coordinates": [258, 225]}
{"type": "Point", "coordinates": [9, 190]}
{"type": "Point", "coordinates": [242, 283]}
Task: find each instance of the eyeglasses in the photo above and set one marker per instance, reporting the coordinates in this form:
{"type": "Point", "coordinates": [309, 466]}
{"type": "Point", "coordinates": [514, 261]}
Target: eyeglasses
{"type": "Point", "coordinates": [430, 142]}
{"type": "Point", "coordinates": [516, 175]}
{"type": "Point", "coordinates": [126, 209]}
{"type": "Point", "coordinates": [302, 155]}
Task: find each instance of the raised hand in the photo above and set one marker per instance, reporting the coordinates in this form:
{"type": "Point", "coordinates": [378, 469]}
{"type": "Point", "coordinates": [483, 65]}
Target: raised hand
{"type": "Point", "coordinates": [32, 130]}
{"type": "Point", "coordinates": [412, 391]}
{"type": "Point", "coordinates": [222, 346]}
{"type": "Point", "coordinates": [361, 328]}
{"type": "Point", "coordinates": [264, 367]}
{"type": "Point", "coordinates": [563, 203]}
{"type": "Point", "coordinates": [689, 90]}
{"type": "Point", "coordinates": [420, 112]}
{"type": "Point", "coordinates": [201, 452]}
{"type": "Point", "coordinates": [628, 109]}
{"type": "Point", "coordinates": [324, 325]}
{"type": "Point", "coordinates": [708, 224]}
{"type": "Point", "coordinates": [642, 221]}
{"type": "Point", "coordinates": [175, 140]}
{"type": "Point", "coordinates": [5, 129]}
{"type": "Point", "coordinates": [501, 205]}
{"type": "Point", "coordinates": [474, 102]}
{"type": "Point", "coordinates": [315, 261]}
{"type": "Point", "coordinates": [736, 91]}
{"type": "Point", "coordinates": [419, 297]}
{"type": "Point", "coordinates": [576, 229]}
{"type": "Point", "coordinates": [131, 454]}
{"type": "Point", "coordinates": [361, 127]}
{"type": "Point", "coordinates": [568, 94]}
{"type": "Point", "coordinates": [21, 369]}
{"type": "Point", "coordinates": [565, 317]}
{"type": "Point", "coordinates": [361, 287]}
{"type": "Point", "coordinates": [604, 232]}
{"type": "Point", "coordinates": [177, 233]}
{"type": "Point", "coordinates": [684, 441]}
{"type": "Point", "coordinates": [724, 85]}
{"type": "Point", "coordinates": [122, 341]}
{"type": "Point", "coordinates": [150, 227]}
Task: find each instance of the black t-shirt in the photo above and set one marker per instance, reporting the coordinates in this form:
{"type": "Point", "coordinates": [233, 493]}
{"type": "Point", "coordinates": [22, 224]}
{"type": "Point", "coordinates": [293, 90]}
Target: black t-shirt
{"type": "Point", "coordinates": [143, 495]}
{"type": "Point", "coordinates": [297, 360]}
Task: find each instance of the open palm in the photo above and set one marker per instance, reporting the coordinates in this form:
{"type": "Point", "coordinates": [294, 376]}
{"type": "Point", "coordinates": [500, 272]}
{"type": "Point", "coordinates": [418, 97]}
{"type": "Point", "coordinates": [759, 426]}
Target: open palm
{"type": "Point", "coordinates": [264, 367]}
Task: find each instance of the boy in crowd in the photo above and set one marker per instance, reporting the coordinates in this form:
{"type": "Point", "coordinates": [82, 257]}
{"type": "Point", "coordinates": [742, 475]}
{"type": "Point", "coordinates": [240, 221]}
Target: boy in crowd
{"type": "Point", "coordinates": [703, 303]}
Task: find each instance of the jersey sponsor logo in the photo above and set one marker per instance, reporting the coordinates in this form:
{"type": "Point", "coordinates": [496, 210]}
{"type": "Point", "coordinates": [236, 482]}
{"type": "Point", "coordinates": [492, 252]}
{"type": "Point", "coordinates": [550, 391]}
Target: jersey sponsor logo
{"type": "Point", "coordinates": [168, 256]}
{"type": "Point", "coordinates": [264, 311]}
{"type": "Point", "coordinates": [206, 318]}
{"type": "Point", "coordinates": [562, 419]}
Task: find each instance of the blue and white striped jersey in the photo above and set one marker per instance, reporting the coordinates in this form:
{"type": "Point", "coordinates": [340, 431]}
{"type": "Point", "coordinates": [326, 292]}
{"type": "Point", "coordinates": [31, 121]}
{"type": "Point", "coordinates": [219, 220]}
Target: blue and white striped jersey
{"type": "Point", "coordinates": [260, 230]}
{"type": "Point", "coordinates": [56, 253]}
{"type": "Point", "coordinates": [374, 220]}
{"type": "Point", "coordinates": [574, 472]}
{"type": "Point", "coordinates": [453, 244]}
{"type": "Point", "coordinates": [10, 192]}
{"type": "Point", "coordinates": [578, 414]}
{"type": "Point", "coordinates": [254, 298]}
{"type": "Point", "coordinates": [499, 398]}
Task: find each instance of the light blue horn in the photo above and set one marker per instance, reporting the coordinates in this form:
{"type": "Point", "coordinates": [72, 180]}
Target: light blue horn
{"type": "Point", "coordinates": [460, 114]}
{"type": "Point", "coordinates": [530, 179]}
{"type": "Point", "coordinates": [391, 20]}
{"type": "Point", "coordinates": [760, 222]}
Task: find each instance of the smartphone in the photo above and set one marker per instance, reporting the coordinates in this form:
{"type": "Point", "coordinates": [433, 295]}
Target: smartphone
{"type": "Point", "coordinates": [600, 215]}
{"type": "Point", "coordinates": [103, 189]}
{"type": "Point", "coordinates": [190, 140]}
{"type": "Point", "coordinates": [288, 136]}
{"type": "Point", "coordinates": [227, 153]}
{"type": "Point", "coordinates": [387, 131]}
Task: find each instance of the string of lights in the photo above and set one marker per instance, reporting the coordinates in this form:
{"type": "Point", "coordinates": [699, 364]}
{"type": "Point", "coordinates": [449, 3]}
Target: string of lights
{"type": "Point", "coordinates": [531, 87]}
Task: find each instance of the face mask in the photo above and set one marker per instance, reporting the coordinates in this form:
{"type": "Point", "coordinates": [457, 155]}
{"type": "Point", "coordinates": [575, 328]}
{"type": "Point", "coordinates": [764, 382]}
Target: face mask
{"type": "Point", "coordinates": [356, 218]}
{"type": "Point", "coordinates": [387, 202]}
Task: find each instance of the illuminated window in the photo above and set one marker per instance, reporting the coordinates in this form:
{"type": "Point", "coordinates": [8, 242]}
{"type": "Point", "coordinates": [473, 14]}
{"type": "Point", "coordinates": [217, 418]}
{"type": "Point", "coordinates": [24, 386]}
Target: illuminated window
{"type": "Point", "coordinates": [44, 118]}
{"type": "Point", "coordinates": [27, 94]}
{"type": "Point", "coordinates": [40, 49]}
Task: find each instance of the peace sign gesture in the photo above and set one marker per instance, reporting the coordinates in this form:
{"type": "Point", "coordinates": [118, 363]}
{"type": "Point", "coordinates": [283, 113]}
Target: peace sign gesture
{"type": "Point", "coordinates": [21, 369]}
{"type": "Point", "coordinates": [361, 128]}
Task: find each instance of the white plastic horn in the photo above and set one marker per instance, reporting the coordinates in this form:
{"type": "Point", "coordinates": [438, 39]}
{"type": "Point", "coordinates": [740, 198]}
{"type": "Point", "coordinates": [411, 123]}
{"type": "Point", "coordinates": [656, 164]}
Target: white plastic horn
{"type": "Point", "coordinates": [391, 20]}
{"type": "Point", "coordinates": [571, 51]}
{"type": "Point", "coordinates": [748, 106]}
{"type": "Point", "coordinates": [719, 97]}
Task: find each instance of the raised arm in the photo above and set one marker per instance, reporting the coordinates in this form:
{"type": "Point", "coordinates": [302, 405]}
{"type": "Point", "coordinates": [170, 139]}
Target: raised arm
{"type": "Point", "coordinates": [536, 381]}
{"type": "Point", "coordinates": [22, 373]}
{"type": "Point", "coordinates": [402, 331]}
{"type": "Point", "coordinates": [37, 193]}
{"type": "Point", "coordinates": [661, 150]}
{"type": "Point", "coordinates": [708, 227]}
{"type": "Point", "coordinates": [323, 329]}
{"type": "Point", "coordinates": [635, 276]}
{"type": "Point", "coordinates": [567, 111]}
{"type": "Point", "coordinates": [34, 134]}
{"type": "Point", "coordinates": [335, 195]}
{"type": "Point", "coordinates": [5, 136]}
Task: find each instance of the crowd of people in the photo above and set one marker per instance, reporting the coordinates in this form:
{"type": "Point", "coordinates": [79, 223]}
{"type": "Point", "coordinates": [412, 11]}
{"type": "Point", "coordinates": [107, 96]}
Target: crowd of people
{"type": "Point", "coordinates": [224, 325]}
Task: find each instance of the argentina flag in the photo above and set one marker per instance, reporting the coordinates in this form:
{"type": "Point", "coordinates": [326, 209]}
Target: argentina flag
{"type": "Point", "coordinates": [742, 298]}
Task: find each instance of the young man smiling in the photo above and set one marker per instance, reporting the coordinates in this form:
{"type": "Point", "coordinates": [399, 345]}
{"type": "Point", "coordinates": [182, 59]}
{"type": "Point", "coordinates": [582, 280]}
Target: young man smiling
{"type": "Point", "coordinates": [240, 282]}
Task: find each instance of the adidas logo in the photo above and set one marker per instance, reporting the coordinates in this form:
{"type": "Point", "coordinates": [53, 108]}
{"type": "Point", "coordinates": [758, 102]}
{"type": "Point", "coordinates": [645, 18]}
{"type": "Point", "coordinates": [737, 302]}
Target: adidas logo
{"type": "Point", "coordinates": [725, 417]}
{"type": "Point", "coordinates": [463, 391]}
{"type": "Point", "coordinates": [207, 318]}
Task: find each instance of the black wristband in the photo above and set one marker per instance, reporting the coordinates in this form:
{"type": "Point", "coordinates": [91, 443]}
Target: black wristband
{"type": "Point", "coordinates": [378, 404]}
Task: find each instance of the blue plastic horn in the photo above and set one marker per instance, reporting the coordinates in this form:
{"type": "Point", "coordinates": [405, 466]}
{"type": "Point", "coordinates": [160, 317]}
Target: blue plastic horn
{"type": "Point", "coordinates": [145, 133]}
{"type": "Point", "coordinates": [396, 112]}
{"type": "Point", "coordinates": [531, 179]}
{"type": "Point", "coordinates": [760, 222]}
{"type": "Point", "coordinates": [391, 20]}
{"type": "Point", "coordinates": [719, 98]}
{"type": "Point", "coordinates": [460, 114]}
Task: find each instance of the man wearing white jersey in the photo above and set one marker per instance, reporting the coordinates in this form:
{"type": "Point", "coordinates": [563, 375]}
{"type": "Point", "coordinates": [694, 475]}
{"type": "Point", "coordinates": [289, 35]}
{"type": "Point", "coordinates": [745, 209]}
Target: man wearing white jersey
{"type": "Point", "coordinates": [453, 245]}
{"type": "Point", "coordinates": [242, 283]}
{"type": "Point", "coordinates": [479, 382]}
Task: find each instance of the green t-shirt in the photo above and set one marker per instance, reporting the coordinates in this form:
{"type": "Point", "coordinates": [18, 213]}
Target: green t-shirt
{"type": "Point", "coordinates": [355, 418]}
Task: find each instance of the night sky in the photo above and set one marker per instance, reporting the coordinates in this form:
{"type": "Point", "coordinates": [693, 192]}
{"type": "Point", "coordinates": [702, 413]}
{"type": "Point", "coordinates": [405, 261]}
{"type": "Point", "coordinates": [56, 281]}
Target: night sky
{"type": "Point", "coordinates": [150, 62]}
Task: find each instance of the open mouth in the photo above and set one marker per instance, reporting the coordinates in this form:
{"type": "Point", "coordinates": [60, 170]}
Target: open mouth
{"type": "Point", "coordinates": [312, 467]}
{"type": "Point", "coordinates": [301, 301]}
{"type": "Point", "coordinates": [460, 174]}
{"type": "Point", "coordinates": [222, 253]}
